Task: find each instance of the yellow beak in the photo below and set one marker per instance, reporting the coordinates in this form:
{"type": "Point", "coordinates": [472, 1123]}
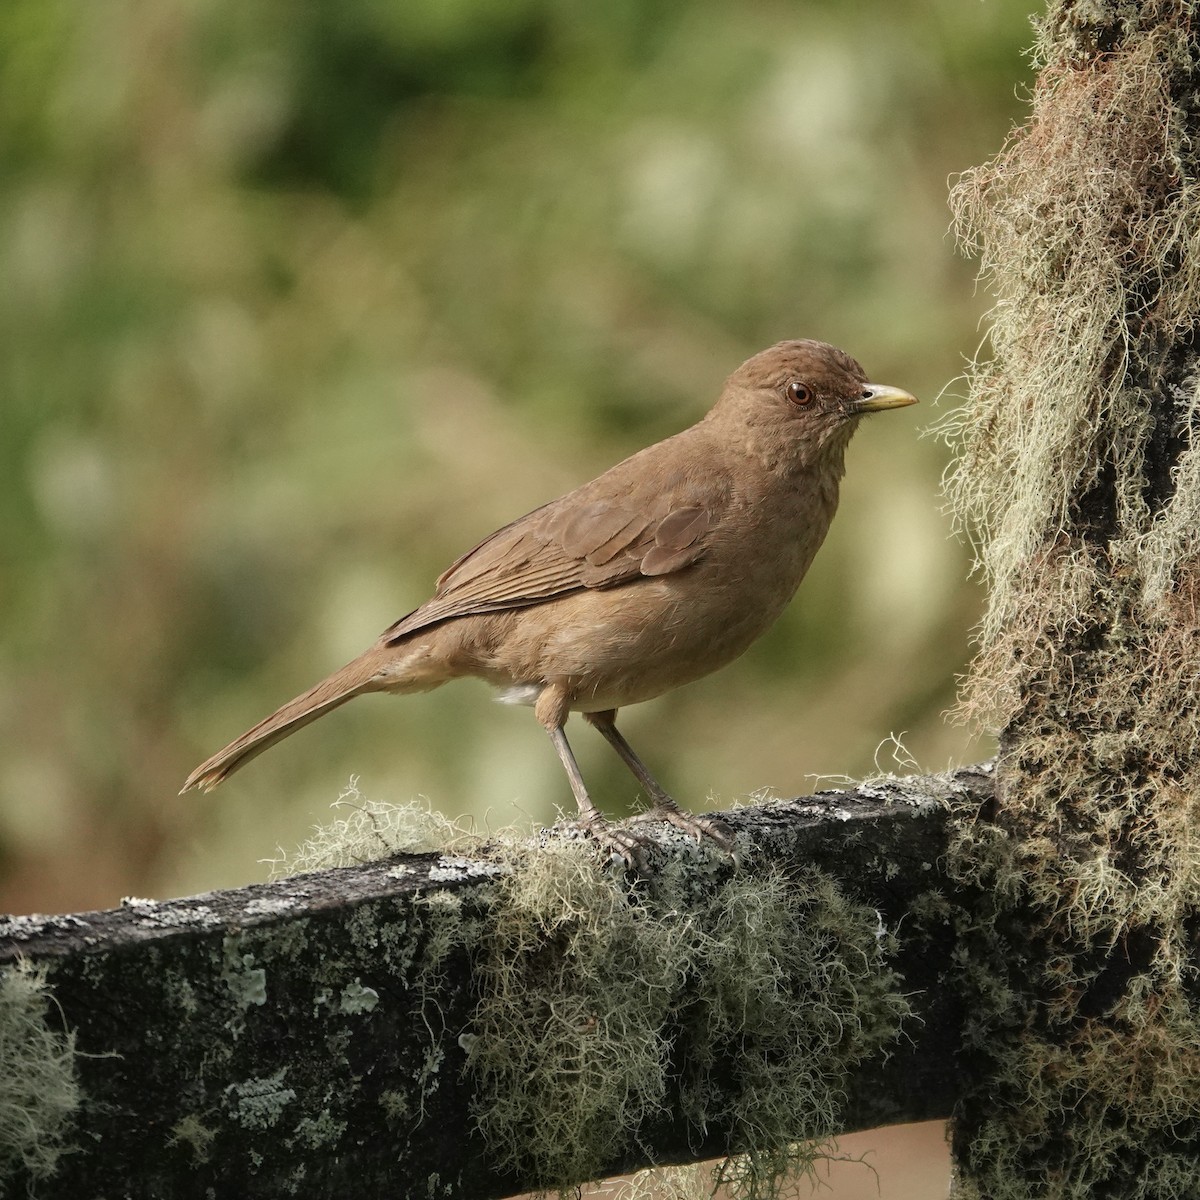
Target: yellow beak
{"type": "Point", "coordinates": [878, 396]}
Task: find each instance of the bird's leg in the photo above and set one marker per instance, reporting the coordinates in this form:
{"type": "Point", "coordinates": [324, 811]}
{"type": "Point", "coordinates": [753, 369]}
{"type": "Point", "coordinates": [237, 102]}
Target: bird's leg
{"type": "Point", "coordinates": [589, 814]}
{"type": "Point", "coordinates": [553, 715]}
{"type": "Point", "coordinates": [662, 805]}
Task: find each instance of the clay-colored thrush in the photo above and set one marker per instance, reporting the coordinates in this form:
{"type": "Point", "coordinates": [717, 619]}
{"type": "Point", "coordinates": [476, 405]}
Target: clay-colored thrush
{"type": "Point", "coordinates": [663, 569]}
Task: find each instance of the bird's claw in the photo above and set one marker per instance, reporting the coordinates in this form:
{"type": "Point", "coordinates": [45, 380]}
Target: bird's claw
{"type": "Point", "coordinates": [627, 848]}
{"type": "Point", "coordinates": [632, 849]}
{"type": "Point", "coordinates": [694, 826]}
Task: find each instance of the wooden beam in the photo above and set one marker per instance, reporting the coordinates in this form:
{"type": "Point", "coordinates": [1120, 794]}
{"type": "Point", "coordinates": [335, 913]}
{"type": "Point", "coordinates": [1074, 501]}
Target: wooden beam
{"type": "Point", "coordinates": [281, 1039]}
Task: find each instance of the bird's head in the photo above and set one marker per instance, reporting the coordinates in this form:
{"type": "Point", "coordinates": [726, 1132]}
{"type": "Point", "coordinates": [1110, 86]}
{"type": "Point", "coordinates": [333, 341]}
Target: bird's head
{"type": "Point", "coordinates": [803, 396]}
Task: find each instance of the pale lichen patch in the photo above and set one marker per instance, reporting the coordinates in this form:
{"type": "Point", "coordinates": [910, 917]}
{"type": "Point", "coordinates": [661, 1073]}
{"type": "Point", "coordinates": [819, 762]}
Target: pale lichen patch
{"type": "Point", "coordinates": [356, 998]}
{"type": "Point", "coordinates": [396, 1107]}
{"type": "Point", "coordinates": [321, 1130]}
{"type": "Point", "coordinates": [246, 982]}
{"type": "Point", "coordinates": [259, 1103]}
{"type": "Point", "coordinates": [271, 906]}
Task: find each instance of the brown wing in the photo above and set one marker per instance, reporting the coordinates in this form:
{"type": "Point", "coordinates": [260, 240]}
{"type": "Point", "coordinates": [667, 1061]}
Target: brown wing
{"type": "Point", "coordinates": [629, 523]}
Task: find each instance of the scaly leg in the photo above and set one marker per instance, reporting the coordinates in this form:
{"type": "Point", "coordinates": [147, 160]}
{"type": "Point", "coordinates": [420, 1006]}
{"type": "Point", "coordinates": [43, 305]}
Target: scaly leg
{"type": "Point", "coordinates": [627, 846]}
{"type": "Point", "coordinates": [663, 806]}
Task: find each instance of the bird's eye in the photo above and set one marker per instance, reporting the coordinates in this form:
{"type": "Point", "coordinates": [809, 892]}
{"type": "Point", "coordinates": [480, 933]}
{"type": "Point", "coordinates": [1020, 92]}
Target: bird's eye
{"type": "Point", "coordinates": [799, 393]}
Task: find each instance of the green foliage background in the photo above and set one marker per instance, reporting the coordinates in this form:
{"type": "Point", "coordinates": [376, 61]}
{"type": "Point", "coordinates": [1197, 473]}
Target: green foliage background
{"type": "Point", "coordinates": [302, 300]}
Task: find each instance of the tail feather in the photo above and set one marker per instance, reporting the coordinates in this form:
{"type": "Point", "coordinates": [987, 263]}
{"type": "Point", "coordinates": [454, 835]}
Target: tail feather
{"type": "Point", "coordinates": [352, 680]}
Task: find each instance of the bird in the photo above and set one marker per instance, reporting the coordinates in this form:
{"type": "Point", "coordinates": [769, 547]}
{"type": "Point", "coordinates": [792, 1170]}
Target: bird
{"type": "Point", "coordinates": [659, 571]}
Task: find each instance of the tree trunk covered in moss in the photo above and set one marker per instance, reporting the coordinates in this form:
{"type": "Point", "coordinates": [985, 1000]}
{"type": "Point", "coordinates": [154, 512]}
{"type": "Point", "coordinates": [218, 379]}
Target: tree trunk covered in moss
{"type": "Point", "coordinates": [479, 1023]}
{"type": "Point", "coordinates": [1079, 473]}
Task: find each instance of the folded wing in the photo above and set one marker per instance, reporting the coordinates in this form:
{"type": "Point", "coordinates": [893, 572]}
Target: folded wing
{"type": "Point", "coordinates": [597, 537]}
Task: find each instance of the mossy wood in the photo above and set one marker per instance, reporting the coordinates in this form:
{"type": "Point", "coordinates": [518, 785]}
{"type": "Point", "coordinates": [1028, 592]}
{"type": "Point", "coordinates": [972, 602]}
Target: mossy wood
{"type": "Point", "coordinates": [326, 1034]}
{"type": "Point", "coordinates": [1078, 473]}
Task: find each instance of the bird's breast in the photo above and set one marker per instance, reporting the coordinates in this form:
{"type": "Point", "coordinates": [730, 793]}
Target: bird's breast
{"type": "Point", "coordinates": [620, 645]}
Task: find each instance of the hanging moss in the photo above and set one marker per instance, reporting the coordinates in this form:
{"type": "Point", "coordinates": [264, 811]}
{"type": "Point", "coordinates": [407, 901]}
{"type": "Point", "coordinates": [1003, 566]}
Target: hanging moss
{"type": "Point", "coordinates": [39, 1091]}
{"type": "Point", "coordinates": [750, 994]}
{"type": "Point", "coordinates": [772, 986]}
{"type": "Point", "coordinates": [1078, 476]}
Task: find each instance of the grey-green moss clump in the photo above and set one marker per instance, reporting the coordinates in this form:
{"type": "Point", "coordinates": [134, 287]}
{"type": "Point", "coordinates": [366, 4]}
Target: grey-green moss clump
{"type": "Point", "coordinates": [767, 987]}
{"type": "Point", "coordinates": [367, 831]}
{"type": "Point", "coordinates": [1078, 474]}
{"type": "Point", "coordinates": [39, 1091]}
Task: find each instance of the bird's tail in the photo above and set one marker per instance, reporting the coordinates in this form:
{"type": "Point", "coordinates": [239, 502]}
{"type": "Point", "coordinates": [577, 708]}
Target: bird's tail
{"type": "Point", "coordinates": [361, 675]}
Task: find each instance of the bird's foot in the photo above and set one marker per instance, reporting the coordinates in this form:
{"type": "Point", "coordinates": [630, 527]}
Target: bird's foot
{"type": "Point", "coordinates": [632, 849]}
{"type": "Point", "coordinates": [622, 845]}
{"type": "Point", "coordinates": [693, 825]}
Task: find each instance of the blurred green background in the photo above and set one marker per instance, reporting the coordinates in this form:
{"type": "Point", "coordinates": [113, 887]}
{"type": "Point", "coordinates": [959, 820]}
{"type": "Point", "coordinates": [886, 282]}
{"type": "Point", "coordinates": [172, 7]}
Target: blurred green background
{"type": "Point", "coordinates": [301, 300]}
